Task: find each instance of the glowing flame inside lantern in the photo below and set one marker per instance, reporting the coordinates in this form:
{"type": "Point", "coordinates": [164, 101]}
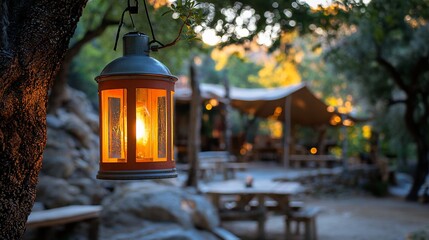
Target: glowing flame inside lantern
{"type": "Point", "coordinates": [142, 130]}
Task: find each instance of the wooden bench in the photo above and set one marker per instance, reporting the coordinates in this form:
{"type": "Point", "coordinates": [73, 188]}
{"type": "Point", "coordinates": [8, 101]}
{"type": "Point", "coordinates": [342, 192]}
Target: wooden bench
{"type": "Point", "coordinates": [65, 216]}
{"type": "Point", "coordinates": [257, 215]}
{"type": "Point", "coordinates": [305, 216]}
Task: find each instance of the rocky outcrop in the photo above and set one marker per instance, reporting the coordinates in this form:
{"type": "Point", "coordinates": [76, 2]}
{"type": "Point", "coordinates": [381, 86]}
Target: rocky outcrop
{"type": "Point", "coordinates": [153, 210]}
{"type": "Point", "coordinates": [70, 159]}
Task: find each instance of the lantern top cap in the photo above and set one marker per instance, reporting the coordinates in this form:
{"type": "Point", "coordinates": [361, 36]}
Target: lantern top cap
{"type": "Point", "coordinates": [136, 59]}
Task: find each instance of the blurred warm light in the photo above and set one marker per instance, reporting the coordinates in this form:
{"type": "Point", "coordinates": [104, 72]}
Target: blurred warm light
{"type": "Point", "coordinates": [337, 119]}
{"type": "Point", "coordinates": [158, 3]}
{"type": "Point", "coordinates": [348, 106]}
{"type": "Point", "coordinates": [276, 114]}
{"type": "Point", "coordinates": [366, 131]}
{"type": "Point", "coordinates": [343, 107]}
{"type": "Point", "coordinates": [243, 151]}
{"type": "Point", "coordinates": [209, 106]}
{"type": "Point", "coordinates": [215, 133]}
{"type": "Point", "coordinates": [342, 110]}
{"type": "Point", "coordinates": [276, 128]}
{"type": "Point", "coordinates": [221, 56]}
{"type": "Point", "coordinates": [248, 146]}
{"type": "Point", "coordinates": [313, 150]}
{"type": "Point", "coordinates": [347, 123]}
{"type": "Point", "coordinates": [214, 102]}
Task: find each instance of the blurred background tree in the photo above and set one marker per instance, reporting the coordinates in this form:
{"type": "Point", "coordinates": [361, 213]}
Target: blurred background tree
{"type": "Point", "coordinates": [380, 47]}
{"type": "Point", "coordinates": [386, 52]}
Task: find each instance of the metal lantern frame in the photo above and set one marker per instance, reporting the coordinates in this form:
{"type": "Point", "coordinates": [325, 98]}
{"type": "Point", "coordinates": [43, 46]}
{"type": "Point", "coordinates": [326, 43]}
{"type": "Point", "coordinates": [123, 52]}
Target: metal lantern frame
{"type": "Point", "coordinates": [133, 71]}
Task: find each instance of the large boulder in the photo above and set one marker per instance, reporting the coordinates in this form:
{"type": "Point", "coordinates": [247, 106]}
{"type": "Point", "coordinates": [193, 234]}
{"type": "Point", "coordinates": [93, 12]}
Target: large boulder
{"type": "Point", "coordinates": [70, 159]}
{"type": "Point", "coordinates": [140, 205]}
{"type": "Point", "coordinates": [155, 231]}
{"type": "Point", "coordinates": [56, 192]}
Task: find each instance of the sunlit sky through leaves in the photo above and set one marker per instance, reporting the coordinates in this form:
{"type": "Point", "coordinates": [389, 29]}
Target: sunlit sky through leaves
{"type": "Point", "coordinates": [210, 37]}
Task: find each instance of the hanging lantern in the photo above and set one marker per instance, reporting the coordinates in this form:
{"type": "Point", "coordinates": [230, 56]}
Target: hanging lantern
{"type": "Point", "coordinates": [136, 115]}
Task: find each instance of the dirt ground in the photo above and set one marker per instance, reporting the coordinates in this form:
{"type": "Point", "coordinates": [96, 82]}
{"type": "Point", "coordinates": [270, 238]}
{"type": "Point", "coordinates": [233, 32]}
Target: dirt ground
{"type": "Point", "coordinates": [347, 213]}
{"type": "Point", "coordinates": [356, 217]}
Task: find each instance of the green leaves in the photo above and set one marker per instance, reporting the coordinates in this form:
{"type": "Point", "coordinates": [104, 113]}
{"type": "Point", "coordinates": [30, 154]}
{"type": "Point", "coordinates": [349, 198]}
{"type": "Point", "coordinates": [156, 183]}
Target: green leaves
{"type": "Point", "coordinates": [191, 15]}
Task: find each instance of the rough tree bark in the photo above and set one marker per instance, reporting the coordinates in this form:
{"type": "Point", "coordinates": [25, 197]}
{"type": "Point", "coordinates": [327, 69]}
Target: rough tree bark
{"type": "Point", "coordinates": [419, 130]}
{"type": "Point", "coordinates": [34, 39]}
{"type": "Point", "coordinates": [194, 138]}
{"type": "Point", "coordinates": [58, 93]}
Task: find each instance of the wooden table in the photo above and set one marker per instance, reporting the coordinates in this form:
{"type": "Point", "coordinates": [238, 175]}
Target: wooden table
{"type": "Point", "coordinates": [261, 190]}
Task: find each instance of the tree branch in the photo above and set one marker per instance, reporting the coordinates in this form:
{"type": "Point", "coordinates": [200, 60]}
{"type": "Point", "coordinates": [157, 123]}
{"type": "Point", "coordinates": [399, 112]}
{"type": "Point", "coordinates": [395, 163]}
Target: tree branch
{"type": "Point", "coordinates": [394, 74]}
{"type": "Point", "coordinates": [178, 35]}
{"type": "Point", "coordinates": [392, 102]}
{"type": "Point", "coordinates": [419, 68]}
{"type": "Point", "coordinates": [392, 71]}
{"type": "Point", "coordinates": [89, 35]}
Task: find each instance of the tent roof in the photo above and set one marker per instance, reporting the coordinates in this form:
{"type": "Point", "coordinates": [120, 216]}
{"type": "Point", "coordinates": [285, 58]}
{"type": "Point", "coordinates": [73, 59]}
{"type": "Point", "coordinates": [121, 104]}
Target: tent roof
{"type": "Point", "coordinates": [306, 108]}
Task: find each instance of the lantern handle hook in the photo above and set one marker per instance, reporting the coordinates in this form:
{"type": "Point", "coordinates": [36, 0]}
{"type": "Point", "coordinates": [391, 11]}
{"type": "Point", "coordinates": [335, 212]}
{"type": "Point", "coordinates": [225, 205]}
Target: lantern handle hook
{"type": "Point", "coordinates": [131, 10]}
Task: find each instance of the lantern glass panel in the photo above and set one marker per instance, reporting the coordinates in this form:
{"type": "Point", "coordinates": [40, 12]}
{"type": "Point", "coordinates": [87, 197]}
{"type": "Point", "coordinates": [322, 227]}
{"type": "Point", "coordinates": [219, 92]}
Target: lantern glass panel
{"type": "Point", "coordinates": [172, 124]}
{"type": "Point", "coordinates": [151, 125]}
{"type": "Point", "coordinates": [114, 129]}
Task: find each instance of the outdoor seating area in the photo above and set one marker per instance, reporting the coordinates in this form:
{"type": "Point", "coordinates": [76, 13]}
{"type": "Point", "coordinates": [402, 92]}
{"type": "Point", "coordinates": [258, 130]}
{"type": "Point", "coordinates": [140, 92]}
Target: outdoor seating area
{"type": "Point", "coordinates": [238, 200]}
{"type": "Point", "coordinates": [261, 193]}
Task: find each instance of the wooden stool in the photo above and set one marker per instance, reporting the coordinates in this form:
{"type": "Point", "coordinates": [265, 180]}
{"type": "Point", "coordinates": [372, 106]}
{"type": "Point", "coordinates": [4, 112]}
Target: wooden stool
{"type": "Point", "coordinates": [307, 218]}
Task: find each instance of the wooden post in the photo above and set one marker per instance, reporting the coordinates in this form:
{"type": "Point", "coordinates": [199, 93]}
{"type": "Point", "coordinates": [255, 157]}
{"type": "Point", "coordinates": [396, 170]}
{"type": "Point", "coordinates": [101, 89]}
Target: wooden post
{"type": "Point", "coordinates": [227, 116]}
{"type": "Point", "coordinates": [287, 129]}
{"type": "Point", "coordinates": [344, 144]}
{"type": "Point", "coordinates": [194, 138]}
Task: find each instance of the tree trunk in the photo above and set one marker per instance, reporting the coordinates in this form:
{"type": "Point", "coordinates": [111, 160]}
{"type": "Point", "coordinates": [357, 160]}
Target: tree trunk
{"type": "Point", "coordinates": [34, 38]}
{"type": "Point", "coordinates": [418, 132]}
{"type": "Point", "coordinates": [194, 139]}
{"type": "Point", "coordinates": [416, 118]}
